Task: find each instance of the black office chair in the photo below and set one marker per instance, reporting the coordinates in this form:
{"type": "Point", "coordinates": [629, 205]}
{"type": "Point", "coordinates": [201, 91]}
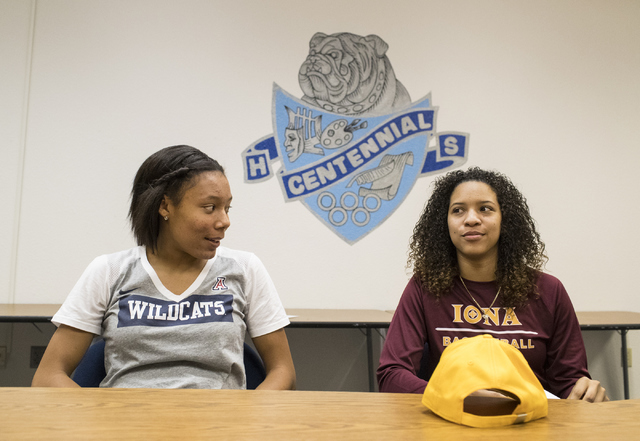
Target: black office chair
{"type": "Point", "coordinates": [90, 372]}
{"type": "Point", "coordinates": [253, 367]}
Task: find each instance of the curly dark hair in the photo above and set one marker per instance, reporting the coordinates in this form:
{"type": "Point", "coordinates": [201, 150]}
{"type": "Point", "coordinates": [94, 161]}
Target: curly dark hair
{"type": "Point", "coordinates": [521, 252]}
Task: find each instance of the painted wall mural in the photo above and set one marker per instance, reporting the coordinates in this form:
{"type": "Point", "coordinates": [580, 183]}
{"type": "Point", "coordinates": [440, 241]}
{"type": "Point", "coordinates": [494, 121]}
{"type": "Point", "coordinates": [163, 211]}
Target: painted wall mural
{"type": "Point", "coordinates": [353, 146]}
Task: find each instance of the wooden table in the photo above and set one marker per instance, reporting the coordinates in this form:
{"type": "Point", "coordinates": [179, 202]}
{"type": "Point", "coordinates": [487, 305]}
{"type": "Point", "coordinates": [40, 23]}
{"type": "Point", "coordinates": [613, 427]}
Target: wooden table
{"type": "Point", "coordinates": [621, 321]}
{"type": "Point", "coordinates": [148, 414]}
{"type": "Point", "coordinates": [27, 313]}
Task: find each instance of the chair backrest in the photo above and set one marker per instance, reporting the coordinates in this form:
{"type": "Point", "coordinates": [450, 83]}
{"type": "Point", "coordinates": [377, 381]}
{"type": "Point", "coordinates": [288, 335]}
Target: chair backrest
{"type": "Point", "coordinates": [253, 367]}
{"type": "Point", "coordinates": [425, 370]}
{"type": "Point", "coordinates": [90, 372]}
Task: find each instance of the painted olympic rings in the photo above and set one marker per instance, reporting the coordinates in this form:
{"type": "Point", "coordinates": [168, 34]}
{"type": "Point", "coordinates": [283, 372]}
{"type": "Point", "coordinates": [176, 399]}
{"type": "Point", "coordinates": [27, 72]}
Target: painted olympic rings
{"type": "Point", "coordinates": [346, 206]}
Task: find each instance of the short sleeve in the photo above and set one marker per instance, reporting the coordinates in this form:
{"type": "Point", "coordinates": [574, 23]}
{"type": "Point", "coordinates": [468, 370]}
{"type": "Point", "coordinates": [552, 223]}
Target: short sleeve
{"type": "Point", "coordinates": [87, 302]}
{"type": "Point", "coordinates": [265, 313]}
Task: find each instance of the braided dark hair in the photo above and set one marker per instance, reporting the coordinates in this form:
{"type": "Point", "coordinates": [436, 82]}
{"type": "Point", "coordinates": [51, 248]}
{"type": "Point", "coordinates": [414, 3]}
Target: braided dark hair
{"type": "Point", "coordinates": [169, 176]}
{"type": "Point", "coordinates": [167, 172]}
{"type": "Point", "coordinates": [521, 252]}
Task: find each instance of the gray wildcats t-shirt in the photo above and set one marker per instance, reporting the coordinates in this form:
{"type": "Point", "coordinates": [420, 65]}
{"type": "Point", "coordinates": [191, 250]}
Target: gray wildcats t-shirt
{"type": "Point", "coordinates": [157, 339]}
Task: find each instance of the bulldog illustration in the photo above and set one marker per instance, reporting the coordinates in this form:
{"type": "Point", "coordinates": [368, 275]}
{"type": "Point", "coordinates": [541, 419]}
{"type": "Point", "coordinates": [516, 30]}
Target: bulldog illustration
{"type": "Point", "coordinates": [351, 75]}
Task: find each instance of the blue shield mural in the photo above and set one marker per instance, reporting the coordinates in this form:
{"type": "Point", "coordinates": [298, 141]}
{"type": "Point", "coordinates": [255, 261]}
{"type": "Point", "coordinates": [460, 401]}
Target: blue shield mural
{"type": "Point", "coordinates": [351, 154]}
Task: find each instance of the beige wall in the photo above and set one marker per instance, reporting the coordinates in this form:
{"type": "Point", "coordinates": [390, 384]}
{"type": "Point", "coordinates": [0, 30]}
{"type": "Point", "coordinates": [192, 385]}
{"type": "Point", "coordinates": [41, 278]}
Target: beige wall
{"type": "Point", "coordinates": [548, 91]}
{"type": "Point", "coordinates": [15, 47]}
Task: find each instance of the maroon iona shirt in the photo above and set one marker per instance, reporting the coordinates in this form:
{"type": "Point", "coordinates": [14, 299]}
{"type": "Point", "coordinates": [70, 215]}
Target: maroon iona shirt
{"type": "Point", "coordinates": [545, 330]}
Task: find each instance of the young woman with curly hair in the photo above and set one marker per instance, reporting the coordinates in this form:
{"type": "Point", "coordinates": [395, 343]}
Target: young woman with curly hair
{"type": "Point", "coordinates": [477, 263]}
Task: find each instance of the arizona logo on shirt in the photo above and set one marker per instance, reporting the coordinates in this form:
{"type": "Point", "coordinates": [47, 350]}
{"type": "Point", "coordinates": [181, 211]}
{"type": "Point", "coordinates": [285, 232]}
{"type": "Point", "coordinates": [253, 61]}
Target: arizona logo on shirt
{"type": "Point", "coordinates": [219, 285]}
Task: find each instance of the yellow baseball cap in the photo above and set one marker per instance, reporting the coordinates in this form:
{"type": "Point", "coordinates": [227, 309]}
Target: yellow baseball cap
{"type": "Point", "coordinates": [483, 363]}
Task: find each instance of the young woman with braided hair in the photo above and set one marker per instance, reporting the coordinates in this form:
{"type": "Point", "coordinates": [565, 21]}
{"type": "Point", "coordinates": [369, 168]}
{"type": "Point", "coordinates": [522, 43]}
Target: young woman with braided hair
{"type": "Point", "coordinates": [173, 311]}
{"type": "Point", "coordinates": [477, 263]}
